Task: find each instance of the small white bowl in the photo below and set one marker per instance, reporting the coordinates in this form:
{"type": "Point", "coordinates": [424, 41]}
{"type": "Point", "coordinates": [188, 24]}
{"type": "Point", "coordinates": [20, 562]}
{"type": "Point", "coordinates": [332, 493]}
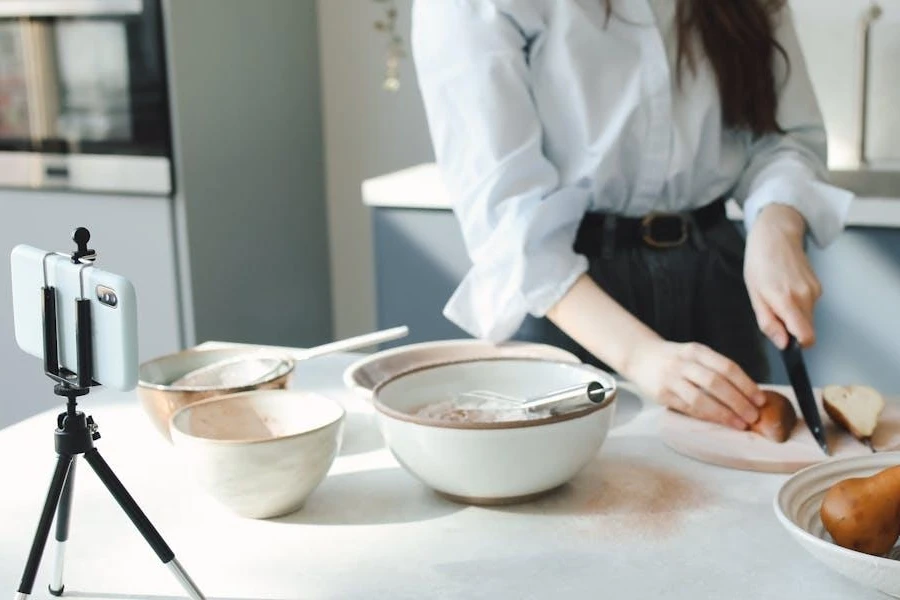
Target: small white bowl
{"type": "Point", "coordinates": [260, 453]}
{"type": "Point", "coordinates": [797, 507]}
{"type": "Point", "coordinates": [364, 375]}
{"type": "Point", "coordinates": [492, 463]}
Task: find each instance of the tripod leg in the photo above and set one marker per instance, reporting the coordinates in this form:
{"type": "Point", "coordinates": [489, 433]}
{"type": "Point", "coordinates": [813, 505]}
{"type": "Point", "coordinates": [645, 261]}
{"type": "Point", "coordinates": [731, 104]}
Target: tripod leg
{"type": "Point", "coordinates": [43, 530]}
{"type": "Point", "coordinates": [140, 520]}
{"type": "Point", "coordinates": [63, 512]}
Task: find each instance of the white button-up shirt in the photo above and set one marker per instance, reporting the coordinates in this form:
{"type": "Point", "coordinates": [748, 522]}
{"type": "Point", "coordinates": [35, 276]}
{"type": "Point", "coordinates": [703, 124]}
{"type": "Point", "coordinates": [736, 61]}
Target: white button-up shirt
{"type": "Point", "coordinates": [542, 110]}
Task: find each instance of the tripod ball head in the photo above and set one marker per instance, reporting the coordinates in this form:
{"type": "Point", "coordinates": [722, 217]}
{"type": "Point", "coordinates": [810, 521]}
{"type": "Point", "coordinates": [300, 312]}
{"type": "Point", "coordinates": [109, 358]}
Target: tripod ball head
{"type": "Point", "coordinates": [81, 237]}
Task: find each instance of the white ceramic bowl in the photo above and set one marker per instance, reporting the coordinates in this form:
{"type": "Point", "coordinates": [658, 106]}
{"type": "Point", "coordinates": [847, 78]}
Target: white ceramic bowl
{"type": "Point", "coordinates": [797, 507]}
{"type": "Point", "coordinates": [259, 453]}
{"type": "Point", "coordinates": [492, 463]}
{"type": "Point", "coordinates": [365, 374]}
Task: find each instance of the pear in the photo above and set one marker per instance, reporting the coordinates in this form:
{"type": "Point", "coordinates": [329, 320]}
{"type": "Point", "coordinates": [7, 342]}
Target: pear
{"type": "Point", "coordinates": [856, 408]}
{"type": "Point", "coordinates": [863, 513]}
{"type": "Point", "coordinates": [777, 418]}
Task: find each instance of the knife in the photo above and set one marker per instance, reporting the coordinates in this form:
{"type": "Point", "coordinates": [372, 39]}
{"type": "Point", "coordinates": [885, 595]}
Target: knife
{"type": "Point", "coordinates": [796, 370]}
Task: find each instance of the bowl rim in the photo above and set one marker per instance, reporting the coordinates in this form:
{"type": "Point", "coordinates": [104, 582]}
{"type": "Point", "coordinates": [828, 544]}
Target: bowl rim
{"type": "Point", "coordinates": [796, 530]}
{"type": "Point", "coordinates": [215, 399]}
{"type": "Point", "coordinates": [350, 382]}
{"type": "Point", "coordinates": [387, 411]}
{"type": "Point", "coordinates": [282, 372]}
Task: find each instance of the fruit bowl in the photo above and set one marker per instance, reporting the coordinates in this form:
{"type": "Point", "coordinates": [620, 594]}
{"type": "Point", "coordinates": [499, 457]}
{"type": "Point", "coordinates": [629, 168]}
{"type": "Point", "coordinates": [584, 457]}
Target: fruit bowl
{"type": "Point", "coordinates": [797, 508]}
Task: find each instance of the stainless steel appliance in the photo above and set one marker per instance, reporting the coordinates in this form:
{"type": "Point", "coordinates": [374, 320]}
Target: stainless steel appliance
{"type": "Point", "coordinates": [83, 96]}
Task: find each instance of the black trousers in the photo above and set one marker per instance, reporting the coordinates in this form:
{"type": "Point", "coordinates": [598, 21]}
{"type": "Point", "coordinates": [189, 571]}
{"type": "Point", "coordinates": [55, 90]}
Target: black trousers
{"type": "Point", "coordinates": [694, 292]}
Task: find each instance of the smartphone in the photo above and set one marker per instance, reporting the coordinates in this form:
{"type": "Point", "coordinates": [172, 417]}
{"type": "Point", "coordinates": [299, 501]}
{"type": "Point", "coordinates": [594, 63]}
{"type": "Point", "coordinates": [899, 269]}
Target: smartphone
{"type": "Point", "coordinates": [113, 313]}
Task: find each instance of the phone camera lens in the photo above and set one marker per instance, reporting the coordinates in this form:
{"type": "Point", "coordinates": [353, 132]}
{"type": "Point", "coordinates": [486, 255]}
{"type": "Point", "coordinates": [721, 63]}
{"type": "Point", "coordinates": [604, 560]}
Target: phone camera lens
{"type": "Point", "coordinates": [107, 297]}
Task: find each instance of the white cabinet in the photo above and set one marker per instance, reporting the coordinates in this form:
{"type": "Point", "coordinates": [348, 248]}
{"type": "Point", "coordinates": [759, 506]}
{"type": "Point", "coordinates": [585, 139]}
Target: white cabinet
{"type": "Point", "coordinates": [830, 32]}
{"type": "Point", "coordinates": [133, 237]}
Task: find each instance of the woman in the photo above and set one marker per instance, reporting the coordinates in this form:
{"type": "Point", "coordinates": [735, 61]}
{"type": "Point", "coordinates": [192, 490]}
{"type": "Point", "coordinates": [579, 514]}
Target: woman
{"type": "Point", "coordinates": [589, 147]}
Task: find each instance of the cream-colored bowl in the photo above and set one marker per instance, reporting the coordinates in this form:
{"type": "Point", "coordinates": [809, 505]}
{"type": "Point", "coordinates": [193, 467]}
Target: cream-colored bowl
{"type": "Point", "coordinates": [797, 507]}
{"type": "Point", "coordinates": [365, 374]}
{"type": "Point", "coordinates": [492, 463]}
{"type": "Point", "coordinates": [161, 400]}
{"type": "Point", "coordinates": [260, 453]}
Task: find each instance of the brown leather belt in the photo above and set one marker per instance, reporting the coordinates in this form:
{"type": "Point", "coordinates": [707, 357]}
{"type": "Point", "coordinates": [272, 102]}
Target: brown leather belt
{"type": "Point", "coordinates": [655, 230]}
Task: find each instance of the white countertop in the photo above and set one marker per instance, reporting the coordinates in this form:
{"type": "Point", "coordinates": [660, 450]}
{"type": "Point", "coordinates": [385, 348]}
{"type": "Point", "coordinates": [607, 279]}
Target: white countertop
{"type": "Point", "coordinates": [639, 522]}
{"type": "Point", "coordinates": [421, 187]}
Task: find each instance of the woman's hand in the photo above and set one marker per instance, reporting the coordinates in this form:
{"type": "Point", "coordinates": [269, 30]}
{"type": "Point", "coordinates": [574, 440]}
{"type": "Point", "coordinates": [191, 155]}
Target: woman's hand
{"type": "Point", "coordinates": [690, 378]}
{"type": "Point", "coordinates": [783, 288]}
{"type": "Point", "coordinates": [695, 380]}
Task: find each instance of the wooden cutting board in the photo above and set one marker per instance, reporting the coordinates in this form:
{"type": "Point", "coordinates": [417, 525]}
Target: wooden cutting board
{"type": "Point", "coordinates": [749, 451]}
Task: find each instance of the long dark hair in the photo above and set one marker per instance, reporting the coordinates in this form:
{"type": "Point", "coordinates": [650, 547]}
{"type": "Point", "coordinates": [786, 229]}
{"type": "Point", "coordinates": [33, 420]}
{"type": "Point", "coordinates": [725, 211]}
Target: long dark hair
{"type": "Point", "coordinates": [737, 38]}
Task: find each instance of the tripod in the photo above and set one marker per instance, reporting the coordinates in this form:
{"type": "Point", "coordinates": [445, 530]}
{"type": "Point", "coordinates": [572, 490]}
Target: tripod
{"type": "Point", "coordinates": [75, 435]}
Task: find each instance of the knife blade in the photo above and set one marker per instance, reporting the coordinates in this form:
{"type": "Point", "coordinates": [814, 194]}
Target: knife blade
{"type": "Point", "coordinates": [792, 356]}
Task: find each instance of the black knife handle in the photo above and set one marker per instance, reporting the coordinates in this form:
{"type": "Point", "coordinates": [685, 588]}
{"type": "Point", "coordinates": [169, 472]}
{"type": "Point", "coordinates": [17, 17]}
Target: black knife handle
{"type": "Point", "coordinates": [793, 362]}
{"type": "Point", "coordinates": [792, 350]}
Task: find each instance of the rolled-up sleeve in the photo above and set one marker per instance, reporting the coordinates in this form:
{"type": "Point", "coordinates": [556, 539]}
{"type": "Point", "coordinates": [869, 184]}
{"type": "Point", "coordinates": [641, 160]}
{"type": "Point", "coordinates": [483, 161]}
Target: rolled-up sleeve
{"type": "Point", "coordinates": [791, 168]}
{"type": "Point", "coordinates": [519, 223]}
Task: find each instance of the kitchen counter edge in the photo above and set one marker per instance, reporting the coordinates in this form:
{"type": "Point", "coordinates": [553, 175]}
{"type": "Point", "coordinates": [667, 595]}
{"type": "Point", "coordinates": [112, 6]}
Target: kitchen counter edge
{"type": "Point", "coordinates": [420, 187]}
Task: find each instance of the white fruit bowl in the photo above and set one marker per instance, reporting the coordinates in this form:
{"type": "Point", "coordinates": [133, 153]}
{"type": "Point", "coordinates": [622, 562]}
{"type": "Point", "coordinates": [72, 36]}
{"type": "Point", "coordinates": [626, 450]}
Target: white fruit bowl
{"type": "Point", "coordinates": [496, 462]}
{"type": "Point", "coordinates": [797, 508]}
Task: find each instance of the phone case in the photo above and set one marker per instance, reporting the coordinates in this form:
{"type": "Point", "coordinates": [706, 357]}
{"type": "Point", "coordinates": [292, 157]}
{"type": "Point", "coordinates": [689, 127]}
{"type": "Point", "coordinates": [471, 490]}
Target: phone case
{"type": "Point", "coordinates": [113, 328]}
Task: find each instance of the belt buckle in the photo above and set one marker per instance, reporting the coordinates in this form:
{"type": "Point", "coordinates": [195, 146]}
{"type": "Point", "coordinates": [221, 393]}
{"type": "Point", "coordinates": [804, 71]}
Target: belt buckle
{"type": "Point", "coordinates": [647, 230]}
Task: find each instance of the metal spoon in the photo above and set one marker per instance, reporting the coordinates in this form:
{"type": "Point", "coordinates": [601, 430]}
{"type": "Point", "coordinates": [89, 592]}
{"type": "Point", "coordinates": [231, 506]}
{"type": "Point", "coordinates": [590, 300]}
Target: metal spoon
{"type": "Point", "coordinates": [259, 364]}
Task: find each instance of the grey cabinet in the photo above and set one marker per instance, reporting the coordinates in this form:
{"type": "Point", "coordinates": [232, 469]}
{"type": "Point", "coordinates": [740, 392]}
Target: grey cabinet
{"type": "Point", "coordinates": [857, 319]}
{"type": "Point", "coordinates": [420, 259]}
{"type": "Point", "coordinates": [250, 201]}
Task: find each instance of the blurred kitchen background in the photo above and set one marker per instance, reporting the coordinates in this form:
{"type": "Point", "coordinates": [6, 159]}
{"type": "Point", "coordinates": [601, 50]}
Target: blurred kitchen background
{"type": "Point", "coordinates": [262, 172]}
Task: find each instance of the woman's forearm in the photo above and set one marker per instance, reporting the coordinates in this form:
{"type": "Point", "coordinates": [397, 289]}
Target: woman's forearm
{"type": "Point", "coordinates": [600, 325]}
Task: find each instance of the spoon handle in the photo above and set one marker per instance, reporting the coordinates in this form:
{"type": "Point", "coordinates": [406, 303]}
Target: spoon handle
{"type": "Point", "coordinates": [345, 345]}
{"type": "Point", "coordinates": [584, 393]}
{"type": "Point", "coordinates": [353, 343]}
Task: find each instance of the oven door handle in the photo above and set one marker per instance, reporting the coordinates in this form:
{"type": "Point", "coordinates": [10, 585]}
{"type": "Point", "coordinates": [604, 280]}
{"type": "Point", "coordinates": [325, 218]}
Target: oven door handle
{"type": "Point", "coordinates": [69, 8]}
